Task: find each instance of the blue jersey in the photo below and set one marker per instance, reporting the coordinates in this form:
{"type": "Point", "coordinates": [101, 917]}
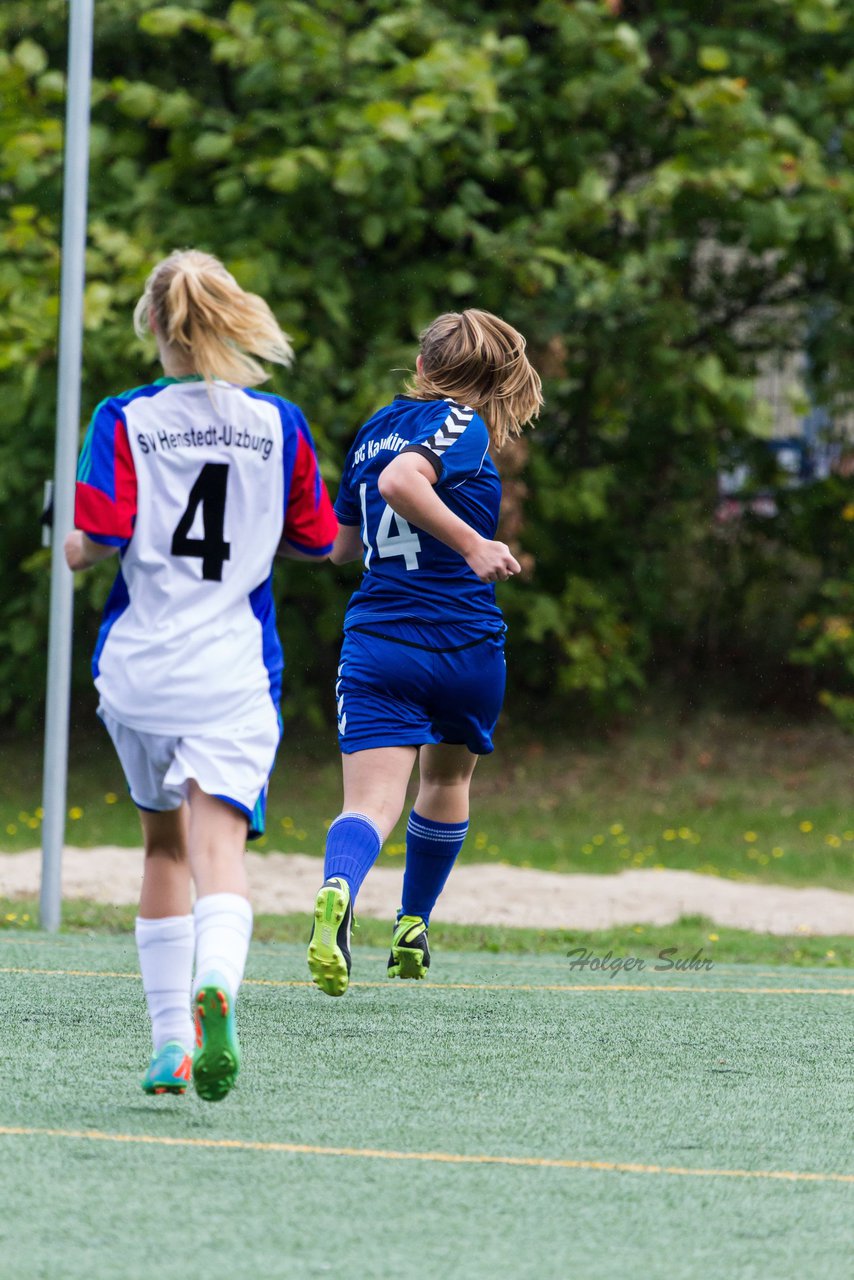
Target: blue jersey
{"type": "Point", "coordinates": [409, 574]}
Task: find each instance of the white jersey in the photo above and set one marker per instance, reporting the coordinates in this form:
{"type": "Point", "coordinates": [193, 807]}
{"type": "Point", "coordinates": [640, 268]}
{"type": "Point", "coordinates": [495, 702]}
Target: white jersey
{"type": "Point", "coordinates": [197, 488]}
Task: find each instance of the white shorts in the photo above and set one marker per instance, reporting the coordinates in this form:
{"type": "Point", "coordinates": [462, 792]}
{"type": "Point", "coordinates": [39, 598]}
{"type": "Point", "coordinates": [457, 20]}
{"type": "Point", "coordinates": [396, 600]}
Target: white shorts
{"type": "Point", "coordinates": [234, 767]}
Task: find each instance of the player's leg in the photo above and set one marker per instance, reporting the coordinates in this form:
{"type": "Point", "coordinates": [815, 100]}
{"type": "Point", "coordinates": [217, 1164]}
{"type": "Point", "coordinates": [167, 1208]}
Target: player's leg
{"type": "Point", "coordinates": [380, 696]}
{"type": "Point", "coordinates": [435, 833]}
{"type": "Point", "coordinates": [223, 919]}
{"type": "Point", "coordinates": [165, 943]}
{"type": "Point", "coordinates": [445, 777]}
{"type": "Point", "coordinates": [164, 926]}
{"type": "Point", "coordinates": [381, 722]}
{"type": "Point", "coordinates": [375, 783]}
{"type": "Point", "coordinates": [166, 881]}
{"type": "Point", "coordinates": [374, 794]}
{"type": "Point", "coordinates": [224, 776]}
{"type": "Point", "coordinates": [466, 698]}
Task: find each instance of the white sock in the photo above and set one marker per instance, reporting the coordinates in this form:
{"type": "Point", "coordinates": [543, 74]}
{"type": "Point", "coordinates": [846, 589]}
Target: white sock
{"type": "Point", "coordinates": [165, 949]}
{"type": "Point", "coordinates": [223, 930]}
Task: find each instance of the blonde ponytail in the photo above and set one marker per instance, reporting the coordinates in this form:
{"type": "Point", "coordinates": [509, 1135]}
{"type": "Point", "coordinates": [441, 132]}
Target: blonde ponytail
{"type": "Point", "coordinates": [200, 311]}
{"type": "Point", "coordinates": [478, 359]}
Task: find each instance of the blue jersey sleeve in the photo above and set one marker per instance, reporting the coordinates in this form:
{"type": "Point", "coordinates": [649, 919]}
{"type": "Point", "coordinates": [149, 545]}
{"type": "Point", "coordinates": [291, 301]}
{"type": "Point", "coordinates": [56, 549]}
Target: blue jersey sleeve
{"type": "Point", "coordinates": [347, 507]}
{"type": "Point", "coordinates": [457, 448]}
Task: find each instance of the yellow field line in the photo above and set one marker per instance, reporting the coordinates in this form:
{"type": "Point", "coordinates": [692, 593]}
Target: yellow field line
{"type": "Point", "coordinates": [72, 973]}
{"type": "Point", "coordinates": [523, 960]}
{"type": "Point", "coordinates": [431, 1157]}
{"type": "Point", "coordinates": [572, 988]}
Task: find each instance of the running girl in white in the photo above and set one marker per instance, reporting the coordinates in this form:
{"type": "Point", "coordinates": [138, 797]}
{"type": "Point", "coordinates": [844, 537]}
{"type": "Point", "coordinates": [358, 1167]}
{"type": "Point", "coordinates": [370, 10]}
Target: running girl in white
{"type": "Point", "coordinates": [422, 666]}
{"type": "Point", "coordinates": [197, 482]}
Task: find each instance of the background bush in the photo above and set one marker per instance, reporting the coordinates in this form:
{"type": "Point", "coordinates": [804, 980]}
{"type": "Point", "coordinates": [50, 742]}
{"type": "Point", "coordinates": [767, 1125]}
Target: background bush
{"type": "Point", "coordinates": [657, 200]}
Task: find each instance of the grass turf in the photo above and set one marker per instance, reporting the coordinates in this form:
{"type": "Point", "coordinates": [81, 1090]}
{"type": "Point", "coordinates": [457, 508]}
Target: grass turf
{"type": "Point", "coordinates": [692, 1075]}
{"type": "Point", "coordinates": [719, 794]}
{"type": "Point", "coordinates": [687, 936]}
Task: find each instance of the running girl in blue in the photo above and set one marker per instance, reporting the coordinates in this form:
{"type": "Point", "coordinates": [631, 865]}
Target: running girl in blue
{"type": "Point", "coordinates": [422, 669]}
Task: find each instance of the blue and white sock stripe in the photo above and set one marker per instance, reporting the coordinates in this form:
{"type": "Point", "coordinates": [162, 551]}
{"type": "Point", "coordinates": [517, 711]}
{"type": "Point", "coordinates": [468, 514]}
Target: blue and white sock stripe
{"type": "Point", "coordinates": [363, 817]}
{"type": "Point", "coordinates": [450, 833]}
{"type": "Point", "coordinates": [451, 429]}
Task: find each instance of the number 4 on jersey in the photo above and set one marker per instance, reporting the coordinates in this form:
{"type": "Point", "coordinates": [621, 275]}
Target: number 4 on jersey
{"type": "Point", "coordinates": [208, 492]}
{"type": "Point", "coordinates": [405, 542]}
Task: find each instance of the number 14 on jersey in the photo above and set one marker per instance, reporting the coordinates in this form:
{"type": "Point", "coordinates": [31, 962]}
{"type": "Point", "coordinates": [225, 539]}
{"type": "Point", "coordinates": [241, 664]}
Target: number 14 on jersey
{"type": "Point", "coordinates": [394, 536]}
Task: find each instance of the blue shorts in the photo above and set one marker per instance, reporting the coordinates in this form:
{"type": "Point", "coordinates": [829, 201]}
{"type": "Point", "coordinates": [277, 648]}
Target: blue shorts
{"type": "Point", "coordinates": [395, 693]}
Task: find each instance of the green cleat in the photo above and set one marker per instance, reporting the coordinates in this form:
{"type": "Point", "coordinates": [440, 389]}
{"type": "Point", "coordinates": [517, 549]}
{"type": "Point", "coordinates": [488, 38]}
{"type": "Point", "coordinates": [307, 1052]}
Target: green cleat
{"type": "Point", "coordinates": [329, 946]}
{"type": "Point", "coordinates": [216, 1061]}
{"type": "Point", "coordinates": [410, 954]}
{"type": "Point", "coordinates": [169, 1070]}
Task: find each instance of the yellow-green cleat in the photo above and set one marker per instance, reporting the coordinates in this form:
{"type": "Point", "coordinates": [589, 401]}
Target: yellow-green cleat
{"type": "Point", "coordinates": [216, 1061]}
{"type": "Point", "coordinates": [329, 945]}
{"type": "Point", "coordinates": [410, 954]}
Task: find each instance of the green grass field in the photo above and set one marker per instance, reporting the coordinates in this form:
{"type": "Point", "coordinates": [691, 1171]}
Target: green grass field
{"type": "Point", "coordinates": [515, 1116]}
{"type": "Point", "coordinates": [684, 937]}
{"type": "Point", "coordinates": [718, 794]}
{"type": "Point", "coordinates": [509, 1118]}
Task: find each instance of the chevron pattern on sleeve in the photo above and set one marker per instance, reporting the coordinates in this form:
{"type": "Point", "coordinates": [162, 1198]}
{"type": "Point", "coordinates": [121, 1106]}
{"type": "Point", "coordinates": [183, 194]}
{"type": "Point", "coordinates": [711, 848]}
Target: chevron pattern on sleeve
{"type": "Point", "coordinates": [452, 428]}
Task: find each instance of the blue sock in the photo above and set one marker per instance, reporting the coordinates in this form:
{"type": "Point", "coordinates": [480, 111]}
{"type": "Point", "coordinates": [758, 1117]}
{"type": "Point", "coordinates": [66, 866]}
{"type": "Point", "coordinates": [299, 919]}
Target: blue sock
{"type": "Point", "coordinates": [353, 843]}
{"type": "Point", "coordinates": [431, 851]}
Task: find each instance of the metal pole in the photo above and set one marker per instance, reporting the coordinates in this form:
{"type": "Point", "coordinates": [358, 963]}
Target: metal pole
{"type": "Point", "coordinates": [76, 173]}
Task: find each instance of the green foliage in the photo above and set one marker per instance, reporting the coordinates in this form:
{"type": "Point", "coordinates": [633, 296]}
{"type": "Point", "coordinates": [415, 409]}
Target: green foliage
{"type": "Point", "coordinates": [657, 199]}
{"type": "Point", "coordinates": [827, 643]}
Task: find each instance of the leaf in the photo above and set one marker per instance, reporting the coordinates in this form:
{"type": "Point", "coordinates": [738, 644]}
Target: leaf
{"type": "Point", "coordinates": [283, 174]}
{"type": "Point", "coordinates": [165, 21]}
{"type": "Point", "coordinates": [212, 146]}
{"type": "Point", "coordinates": [351, 177]}
{"type": "Point", "coordinates": [373, 230]}
{"type": "Point", "coordinates": [97, 304]}
{"type": "Point", "coordinates": [137, 100]}
{"type": "Point", "coordinates": [30, 56]}
{"type": "Point", "coordinates": [712, 57]}
{"type": "Point", "coordinates": [241, 16]}
{"type": "Point", "coordinates": [391, 119]}
{"type": "Point", "coordinates": [461, 282]}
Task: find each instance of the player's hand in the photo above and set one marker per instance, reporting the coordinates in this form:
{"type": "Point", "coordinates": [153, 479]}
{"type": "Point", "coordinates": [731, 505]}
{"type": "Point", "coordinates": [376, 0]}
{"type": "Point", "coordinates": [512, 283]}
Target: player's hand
{"type": "Point", "coordinates": [493, 561]}
{"type": "Point", "coordinates": [82, 553]}
{"type": "Point", "coordinates": [76, 551]}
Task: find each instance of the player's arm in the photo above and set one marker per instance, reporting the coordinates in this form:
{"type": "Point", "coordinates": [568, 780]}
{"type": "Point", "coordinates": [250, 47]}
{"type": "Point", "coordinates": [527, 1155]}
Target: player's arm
{"type": "Point", "coordinates": [348, 545]}
{"type": "Point", "coordinates": [407, 485]}
{"type": "Point", "coordinates": [348, 542]}
{"type": "Point", "coordinates": [105, 497]}
{"type": "Point", "coordinates": [288, 552]}
{"type": "Point", "coordinates": [81, 552]}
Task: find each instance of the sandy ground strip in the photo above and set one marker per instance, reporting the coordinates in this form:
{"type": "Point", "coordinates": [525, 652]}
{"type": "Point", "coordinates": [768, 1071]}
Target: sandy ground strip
{"type": "Point", "coordinates": [479, 894]}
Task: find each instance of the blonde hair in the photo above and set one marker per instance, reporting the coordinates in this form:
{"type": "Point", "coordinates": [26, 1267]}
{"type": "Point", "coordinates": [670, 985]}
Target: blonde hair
{"type": "Point", "coordinates": [200, 311]}
{"type": "Point", "coordinates": [479, 359]}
